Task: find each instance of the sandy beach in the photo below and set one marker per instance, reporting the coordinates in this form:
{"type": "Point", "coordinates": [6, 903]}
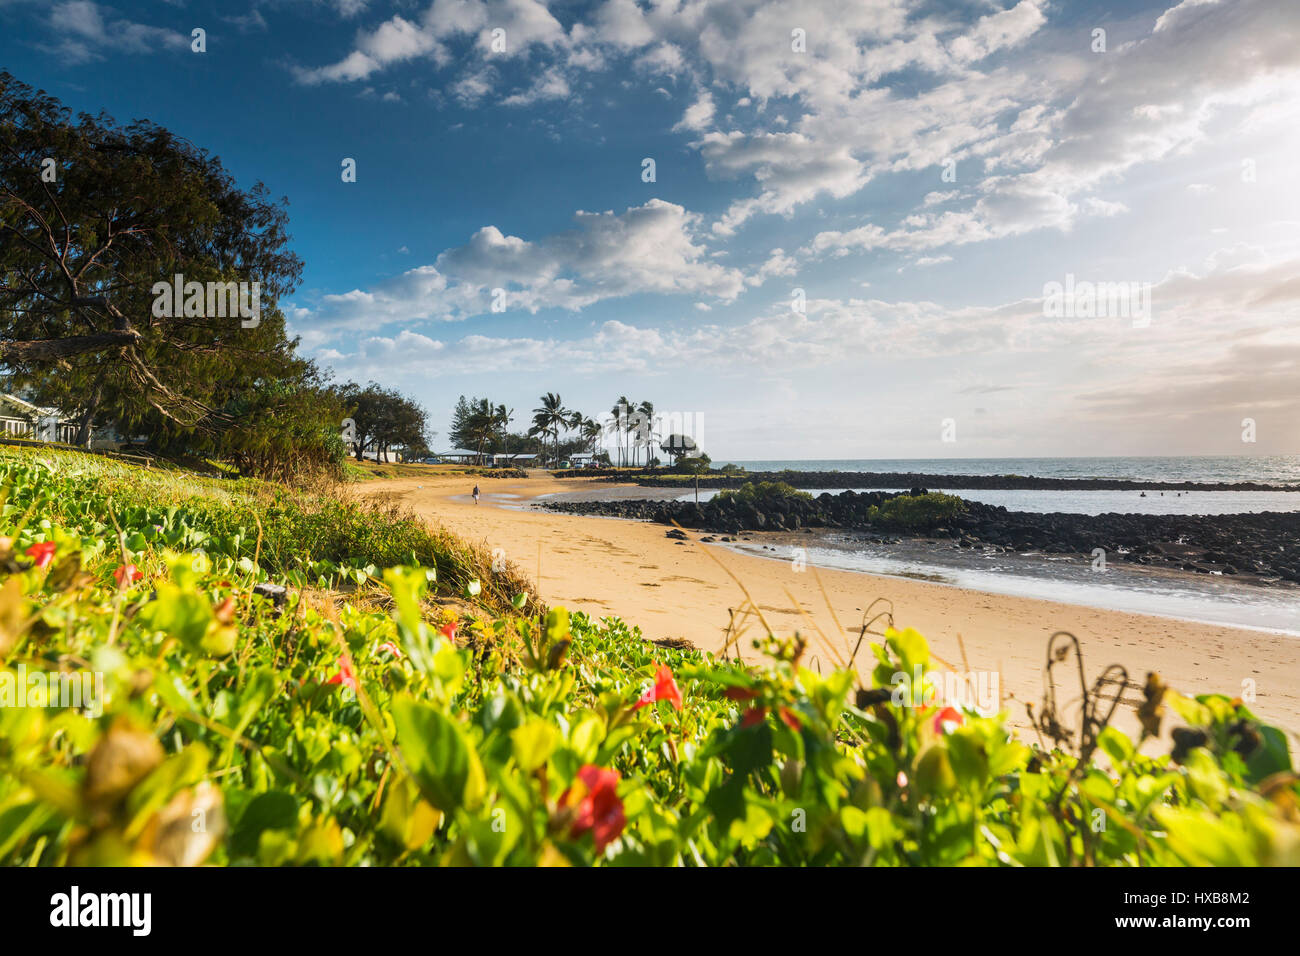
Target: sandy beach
{"type": "Point", "coordinates": [686, 589]}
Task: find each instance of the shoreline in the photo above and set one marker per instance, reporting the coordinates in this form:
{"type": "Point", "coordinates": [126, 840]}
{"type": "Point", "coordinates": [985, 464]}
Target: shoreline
{"type": "Point", "coordinates": [1259, 545]}
{"type": "Point", "coordinates": [1155, 574]}
{"type": "Point", "coordinates": [829, 540]}
{"type": "Point", "coordinates": [673, 588]}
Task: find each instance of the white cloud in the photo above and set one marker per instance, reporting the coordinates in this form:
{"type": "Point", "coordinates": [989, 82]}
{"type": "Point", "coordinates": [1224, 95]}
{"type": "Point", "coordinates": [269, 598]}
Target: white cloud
{"type": "Point", "coordinates": [550, 85]}
{"type": "Point", "coordinates": [998, 30]}
{"type": "Point", "coordinates": [526, 23]}
{"type": "Point", "coordinates": [622, 24]}
{"type": "Point", "coordinates": [88, 31]}
{"type": "Point", "coordinates": [790, 168]}
{"type": "Point", "coordinates": [698, 115]}
{"type": "Point", "coordinates": [645, 249]}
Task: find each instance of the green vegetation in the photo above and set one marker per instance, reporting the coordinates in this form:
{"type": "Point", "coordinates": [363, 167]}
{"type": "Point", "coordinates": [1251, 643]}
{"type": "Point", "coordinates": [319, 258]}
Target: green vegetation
{"type": "Point", "coordinates": [307, 536]}
{"type": "Point", "coordinates": [381, 419]}
{"type": "Point", "coordinates": [762, 494]}
{"type": "Point", "coordinates": [916, 512]}
{"type": "Point", "coordinates": [376, 728]}
{"type": "Point", "coordinates": [82, 326]}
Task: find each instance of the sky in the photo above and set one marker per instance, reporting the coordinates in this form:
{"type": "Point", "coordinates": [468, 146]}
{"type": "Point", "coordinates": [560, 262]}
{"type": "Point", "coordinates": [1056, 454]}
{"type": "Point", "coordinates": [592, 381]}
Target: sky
{"type": "Point", "coordinates": [803, 229]}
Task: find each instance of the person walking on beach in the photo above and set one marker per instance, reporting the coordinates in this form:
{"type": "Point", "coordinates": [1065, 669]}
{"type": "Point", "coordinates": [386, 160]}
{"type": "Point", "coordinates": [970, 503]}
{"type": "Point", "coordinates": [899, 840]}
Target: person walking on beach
{"type": "Point", "coordinates": [476, 494]}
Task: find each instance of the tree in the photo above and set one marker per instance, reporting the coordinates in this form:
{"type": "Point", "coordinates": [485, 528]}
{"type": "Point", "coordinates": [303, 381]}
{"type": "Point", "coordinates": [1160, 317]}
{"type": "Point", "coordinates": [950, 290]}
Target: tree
{"type": "Point", "coordinates": [550, 417]}
{"type": "Point", "coordinates": [591, 432]}
{"type": "Point", "coordinates": [479, 424]}
{"type": "Point", "coordinates": [678, 447]}
{"type": "Point", "coordinates": [645, 429]}
{"type": "Point", "coordinates": [95, 219]}
{"type": "Point", "coordinates": [299, 430]}
{"type": "Point", "coordinates": [383, 418]}
{"type": "Point", "coordinates": [621, 412]}
{"type": "Point", "coordinates": [696, 466]}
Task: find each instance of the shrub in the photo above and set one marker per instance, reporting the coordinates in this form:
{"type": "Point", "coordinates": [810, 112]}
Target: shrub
{"type": "Point", "coordinates": [916, 512]}
{"type": "Point", "coordinates": [763, 494]}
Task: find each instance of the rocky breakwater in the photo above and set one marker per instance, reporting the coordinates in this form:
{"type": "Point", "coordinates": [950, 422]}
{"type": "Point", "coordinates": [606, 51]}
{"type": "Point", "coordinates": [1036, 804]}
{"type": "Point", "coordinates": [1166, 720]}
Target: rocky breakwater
{"type": "Point", "coordinates": [874, 479]}
{"type": "Point", "coordinates": [1265, 544]}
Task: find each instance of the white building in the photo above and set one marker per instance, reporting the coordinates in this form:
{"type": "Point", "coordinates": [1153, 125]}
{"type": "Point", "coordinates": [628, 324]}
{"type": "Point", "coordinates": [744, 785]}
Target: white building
{"type": "Point", "coordinates": [20, 419]}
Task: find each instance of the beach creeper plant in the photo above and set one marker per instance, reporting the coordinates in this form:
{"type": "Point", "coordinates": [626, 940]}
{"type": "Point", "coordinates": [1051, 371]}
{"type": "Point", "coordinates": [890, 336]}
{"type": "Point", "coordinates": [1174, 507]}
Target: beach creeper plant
{"type": "Point", "coordinates": [349, 724]}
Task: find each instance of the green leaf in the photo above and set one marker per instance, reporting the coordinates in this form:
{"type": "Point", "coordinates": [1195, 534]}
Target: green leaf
{"type": "Point", "coordinates": [442, 761]}
{"type": "Point", "coordinates": [274, 810]}
{"type": "Point", "coordinates": [534, 742]}
{"type": "Point", "coordinates": [557, 625]}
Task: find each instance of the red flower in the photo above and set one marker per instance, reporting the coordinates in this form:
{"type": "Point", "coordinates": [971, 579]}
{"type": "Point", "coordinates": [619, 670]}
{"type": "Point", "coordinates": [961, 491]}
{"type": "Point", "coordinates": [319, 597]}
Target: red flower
{"type": "Point", "coordinates": [449, 631]}
{"type": "Point", "coordinates": [127, 574]}
{"type": "Point", "coordinates": [753, 716]}
{"type": "Point", "coordinates": [391, 648]}
{"type": "Point", "coordinates": [947, 715]}
{"type": "Point", "coordinates": [42, 552]}
{"type": "Point", "coordinates": [346, 676]}
{"type": "Point", "coordinates": [665, 688]}
{"type": "Point", "coordinates": [740, 693]}
{"type": "Point", "coordinates": [790, 718]}
{"type": "Point", "coordinates": [598, 807]}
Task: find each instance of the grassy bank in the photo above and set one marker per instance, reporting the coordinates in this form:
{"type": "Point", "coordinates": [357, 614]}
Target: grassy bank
{"type": "Point", "coordinates": [314, 535]}
{"type": "Point", "coordinates": [353, 718]}
{"type": "Point", "coordinates": [370, 470]}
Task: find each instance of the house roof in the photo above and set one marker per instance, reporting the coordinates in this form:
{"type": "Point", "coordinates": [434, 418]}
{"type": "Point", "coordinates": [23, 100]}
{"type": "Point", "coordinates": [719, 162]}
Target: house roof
{"type": "Point", "coordinates": [24, 407]}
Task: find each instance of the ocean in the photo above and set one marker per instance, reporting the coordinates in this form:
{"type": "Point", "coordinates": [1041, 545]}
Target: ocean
{"type": "Point", "coordinates": [1270, 469]}
{"type": "Point", "coordinates": [1085, 502]}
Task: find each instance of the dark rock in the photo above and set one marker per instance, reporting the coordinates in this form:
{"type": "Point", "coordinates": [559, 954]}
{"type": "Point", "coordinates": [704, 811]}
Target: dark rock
{"type": "Point", "coordinates": [1266, 543]}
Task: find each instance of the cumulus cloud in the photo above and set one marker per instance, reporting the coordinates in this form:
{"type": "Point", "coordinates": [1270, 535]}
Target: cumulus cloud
{"type": "Point", "coordinates": [645, 249]}
{"type": "Point", "coordinates": [525, 24]}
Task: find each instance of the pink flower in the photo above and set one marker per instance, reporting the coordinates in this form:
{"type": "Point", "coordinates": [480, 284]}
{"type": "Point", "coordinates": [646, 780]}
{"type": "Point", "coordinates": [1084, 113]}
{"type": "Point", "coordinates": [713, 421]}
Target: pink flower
{"type": "Point", "coordinates": [42, 552]}
{"type": "Point", "coordinates": [345, 676]}
{"type": "Point", "coordinates": [665, 688]}
{"type": "Point", "coordinates": [755, 716]}
{"type": "Point", "coordinates": [127, 574]}
{"type": "Point", "coordinates": [598, 807]}
{"type": "Point", "coordinates": [949, 715]}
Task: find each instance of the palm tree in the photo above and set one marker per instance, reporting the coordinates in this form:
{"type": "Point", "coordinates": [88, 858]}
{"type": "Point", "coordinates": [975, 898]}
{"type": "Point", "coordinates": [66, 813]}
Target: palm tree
{"type": "Point", "coordinates": [621, 410]}
{"type": "Point", "coordinates": [551, 417]}
{"type": "Point", "coordinates": [591, 432]}
{"type": "Point", "coordinates": [647, 409]}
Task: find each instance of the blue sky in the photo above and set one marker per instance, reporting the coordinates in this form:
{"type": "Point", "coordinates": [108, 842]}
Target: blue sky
{"type": "Point", "coordinates": [1165, 155]}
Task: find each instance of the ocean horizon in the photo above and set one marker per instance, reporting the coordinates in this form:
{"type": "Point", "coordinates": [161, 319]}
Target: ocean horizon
{"type": "Point", "coordinates": [1269, 469]}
